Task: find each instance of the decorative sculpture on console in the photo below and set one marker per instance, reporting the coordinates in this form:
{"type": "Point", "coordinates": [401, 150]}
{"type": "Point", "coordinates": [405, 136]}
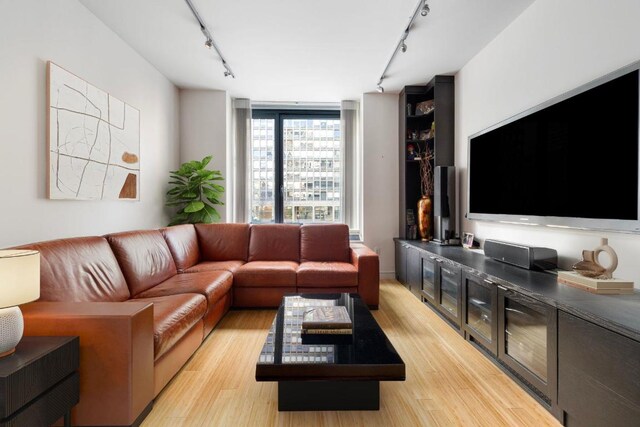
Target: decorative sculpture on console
{"type": "Point", "coordinates": [590, 267]}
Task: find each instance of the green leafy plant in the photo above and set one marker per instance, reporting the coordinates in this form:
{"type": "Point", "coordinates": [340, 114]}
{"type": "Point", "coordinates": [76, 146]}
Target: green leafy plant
{"type": "Point", "coordinates": [194, 192]}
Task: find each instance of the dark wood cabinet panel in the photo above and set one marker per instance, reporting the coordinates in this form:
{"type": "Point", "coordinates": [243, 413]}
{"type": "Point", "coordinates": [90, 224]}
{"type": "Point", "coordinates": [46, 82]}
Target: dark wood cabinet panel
{"type": "Point", "coordinates": [449, 279]}
{"type": "Point", "coordinates": [527, 342]}
{"type": "Point", "coordinates": [414, 271]}
{"type": "Point", "coordinates": [480, 311]}
{"type": "Point", "coordinates": [598, 375]}
{"type": "Point", "coordinates": [401, 262]}
{"type": "Point", "coordinates": [430, 286]}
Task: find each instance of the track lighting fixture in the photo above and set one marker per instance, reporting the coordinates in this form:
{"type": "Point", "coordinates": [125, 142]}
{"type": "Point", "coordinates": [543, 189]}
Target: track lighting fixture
{"type": "Point", "coordinates": [425, 9]}
{"type": "Point", "coordinates": [209, 42]}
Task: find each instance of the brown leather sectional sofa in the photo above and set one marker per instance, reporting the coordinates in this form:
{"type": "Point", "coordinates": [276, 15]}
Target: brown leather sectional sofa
{"type": "Point", "coordinates": [142, 302]}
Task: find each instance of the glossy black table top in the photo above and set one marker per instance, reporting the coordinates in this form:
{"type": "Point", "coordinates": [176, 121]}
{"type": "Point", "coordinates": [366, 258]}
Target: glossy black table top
{"type": "Point", "coordinates": [365, 355]}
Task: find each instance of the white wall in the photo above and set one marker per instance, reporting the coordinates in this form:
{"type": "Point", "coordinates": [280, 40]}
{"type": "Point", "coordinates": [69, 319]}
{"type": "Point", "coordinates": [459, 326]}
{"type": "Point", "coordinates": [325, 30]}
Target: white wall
{"type": "Point", "coordinates": [552, 47]}
{"type": "Point", "coordinates": [203, 131]}
{"type": "Point", "coordinates": [65, 32]}
{"type": "Point", "coordinates": [380, 176]}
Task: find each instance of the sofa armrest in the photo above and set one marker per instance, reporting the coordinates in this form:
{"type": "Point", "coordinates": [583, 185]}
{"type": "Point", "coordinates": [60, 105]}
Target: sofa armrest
{"type": "Point", "coordinates": [368, 264]}
{"type": "Point", "coordinates": [116, 355]}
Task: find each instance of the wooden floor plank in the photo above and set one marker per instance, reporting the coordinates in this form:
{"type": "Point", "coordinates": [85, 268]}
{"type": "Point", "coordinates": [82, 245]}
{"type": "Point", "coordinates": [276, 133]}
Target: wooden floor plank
{"type": "Point", "coordinates": [449, 382]}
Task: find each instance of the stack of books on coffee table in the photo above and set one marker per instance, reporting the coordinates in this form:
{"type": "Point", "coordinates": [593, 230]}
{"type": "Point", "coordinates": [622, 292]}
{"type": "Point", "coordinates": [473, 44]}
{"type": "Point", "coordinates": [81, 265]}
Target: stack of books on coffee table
{"type": "Point", "coordinates": [331, 320]}
{"type": "Point", "coordinates": [596, 286]}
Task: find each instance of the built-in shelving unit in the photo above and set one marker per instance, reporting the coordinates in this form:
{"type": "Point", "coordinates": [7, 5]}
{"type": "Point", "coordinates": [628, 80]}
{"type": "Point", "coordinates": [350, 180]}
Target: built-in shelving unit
{"type": "Point", "coordinates": [437, 130]}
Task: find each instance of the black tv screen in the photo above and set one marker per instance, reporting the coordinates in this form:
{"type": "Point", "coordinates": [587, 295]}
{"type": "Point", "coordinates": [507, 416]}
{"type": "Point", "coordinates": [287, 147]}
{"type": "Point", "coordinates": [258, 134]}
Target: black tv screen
{"type": "Point", "coordinates": [571, 159]}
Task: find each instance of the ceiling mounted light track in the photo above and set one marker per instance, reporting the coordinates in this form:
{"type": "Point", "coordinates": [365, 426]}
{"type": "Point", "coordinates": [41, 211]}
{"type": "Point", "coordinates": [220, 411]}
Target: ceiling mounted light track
{"type": "Point", "coordinates": [210, 43]}
{"type": "Point", "coordinates": [423, 9]}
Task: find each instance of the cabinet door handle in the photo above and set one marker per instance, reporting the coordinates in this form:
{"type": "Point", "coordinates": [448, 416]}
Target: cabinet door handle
{"type": "Point", "coordinates": [432, 257]}
{"type": "Point", "coordinates": [488, 281]}
{"type": "Point", "coordinates": [502, 287]}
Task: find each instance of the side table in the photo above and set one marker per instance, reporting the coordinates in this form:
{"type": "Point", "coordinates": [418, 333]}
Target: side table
{"type": "Point", "coordinates": [39, 383]}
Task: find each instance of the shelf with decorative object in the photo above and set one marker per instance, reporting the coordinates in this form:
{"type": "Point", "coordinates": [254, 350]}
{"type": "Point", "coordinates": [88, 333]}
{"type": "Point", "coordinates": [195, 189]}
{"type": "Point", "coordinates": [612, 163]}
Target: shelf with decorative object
{"type": "Point", "coordinates": [429, 134]}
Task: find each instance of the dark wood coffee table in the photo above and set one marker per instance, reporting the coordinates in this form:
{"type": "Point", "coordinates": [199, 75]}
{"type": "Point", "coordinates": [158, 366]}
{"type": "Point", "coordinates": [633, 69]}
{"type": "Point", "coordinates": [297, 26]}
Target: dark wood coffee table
{"type": "Point", "coordinates": [327, 373]}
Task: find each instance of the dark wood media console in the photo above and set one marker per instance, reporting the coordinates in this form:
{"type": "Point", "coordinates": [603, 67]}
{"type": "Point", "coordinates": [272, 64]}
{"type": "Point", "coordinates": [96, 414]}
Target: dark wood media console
{"type": "Point", "coordinates": [577, 353]}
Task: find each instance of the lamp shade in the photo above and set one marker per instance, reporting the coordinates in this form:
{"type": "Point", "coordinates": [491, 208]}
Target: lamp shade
{"type": "Point", "coordinates": [19, 277]}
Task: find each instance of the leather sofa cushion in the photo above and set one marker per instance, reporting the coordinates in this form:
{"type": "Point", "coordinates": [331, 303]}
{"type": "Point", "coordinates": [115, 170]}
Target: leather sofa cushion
{"type": "Point", "coordinates": [231, 266]}
{"type": "Point", "coordinates": [182, 241]}
{"type": "Point", "coordinates": [173, 317]}
{"type": "Point", "coordinates": [327, 274]}
{"type": "Point", "coordinates": [81, 269]}
{"type": "Point", "coordinates": [266, 274]}
{"type": "Point", "coordinates": [210, 284]}
{"type": "Point", "coordinates": [274, 242]}
{"type": "Point", "coordinates": [221, 242]}
{"type": "Point", "coordinates": [144, 258]}
{"type": "Point", "coordinates": [324, 242]}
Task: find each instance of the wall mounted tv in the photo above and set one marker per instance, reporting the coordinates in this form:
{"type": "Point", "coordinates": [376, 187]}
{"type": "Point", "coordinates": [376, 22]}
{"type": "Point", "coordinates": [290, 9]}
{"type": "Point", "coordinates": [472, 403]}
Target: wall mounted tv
{"type": "Point", "coordinates": [570, 162]}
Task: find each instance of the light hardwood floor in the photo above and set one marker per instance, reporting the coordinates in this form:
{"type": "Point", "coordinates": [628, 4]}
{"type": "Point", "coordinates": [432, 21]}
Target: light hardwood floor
{"type": "Point", "coordinates": [448, 381]}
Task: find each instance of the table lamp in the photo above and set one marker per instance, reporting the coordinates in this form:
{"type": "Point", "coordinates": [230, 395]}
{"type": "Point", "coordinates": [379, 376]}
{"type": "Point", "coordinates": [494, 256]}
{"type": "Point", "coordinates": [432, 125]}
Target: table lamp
{"type": "Point", "coordinates": [19, 284]}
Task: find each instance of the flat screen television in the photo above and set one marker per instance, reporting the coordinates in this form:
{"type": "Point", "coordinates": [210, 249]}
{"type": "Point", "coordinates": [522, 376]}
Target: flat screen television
{"type": "Point", "coordinates": [570, 162]}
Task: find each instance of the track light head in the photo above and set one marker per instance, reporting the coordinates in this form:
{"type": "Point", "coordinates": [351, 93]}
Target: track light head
{"type": "Point", "coordinates": [227, 73]}
{"type": "Point", "coordinates": [425, 9]}
{"type": "Point", "coordinates": [208, 44]}
{"type": "Point", "coordinates": [403, 47]}
{"type": "Point", "coordinates": [380, 89]}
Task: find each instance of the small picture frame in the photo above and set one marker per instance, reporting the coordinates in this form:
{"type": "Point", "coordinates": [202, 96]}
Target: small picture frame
{"type": "Point", "coordinates": [467, 240]}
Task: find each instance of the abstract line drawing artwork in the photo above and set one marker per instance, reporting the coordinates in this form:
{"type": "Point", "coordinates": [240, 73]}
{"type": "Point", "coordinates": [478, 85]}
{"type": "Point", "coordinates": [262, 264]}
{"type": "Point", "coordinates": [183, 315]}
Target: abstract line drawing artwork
{"type": "Point", "coordinates": [93, 141]}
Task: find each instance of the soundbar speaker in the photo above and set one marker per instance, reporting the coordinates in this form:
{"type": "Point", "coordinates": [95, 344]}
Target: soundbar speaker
{"type": "Point", "coordinates": [529, 257]}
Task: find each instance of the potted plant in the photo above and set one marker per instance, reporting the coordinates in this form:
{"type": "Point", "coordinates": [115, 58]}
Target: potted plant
{"type": "Point", "coordinates": [194, 191]}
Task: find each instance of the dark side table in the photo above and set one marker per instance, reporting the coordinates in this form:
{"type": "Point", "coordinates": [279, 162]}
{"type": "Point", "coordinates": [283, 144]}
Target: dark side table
{"type": "Point", "coordinates": [39, 383]}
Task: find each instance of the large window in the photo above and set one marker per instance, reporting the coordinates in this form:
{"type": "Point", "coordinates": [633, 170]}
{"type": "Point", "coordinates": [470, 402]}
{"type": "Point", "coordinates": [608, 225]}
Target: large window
{"type": "Point", "coordinates": [296, 166]}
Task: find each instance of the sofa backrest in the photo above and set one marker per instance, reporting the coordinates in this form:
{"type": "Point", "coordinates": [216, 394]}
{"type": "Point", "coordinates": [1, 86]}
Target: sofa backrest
{"type": "Point", "coordinates": [325, 242]}
{"type": "Point", "coordinates": [144, 257]}
{"type": "Point", "coordinates": [182, 241]}
{"type": "Point", "coordinates": [223, 242]}
{"type": "Point", "coordinates": [274, 242]}
{"type": "Point", "coordinates": [81, 269]}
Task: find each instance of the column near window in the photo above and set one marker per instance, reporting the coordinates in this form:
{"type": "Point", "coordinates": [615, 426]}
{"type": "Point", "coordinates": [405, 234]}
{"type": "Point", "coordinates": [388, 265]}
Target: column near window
{"type": "Point", "coordinates": [241, 119]}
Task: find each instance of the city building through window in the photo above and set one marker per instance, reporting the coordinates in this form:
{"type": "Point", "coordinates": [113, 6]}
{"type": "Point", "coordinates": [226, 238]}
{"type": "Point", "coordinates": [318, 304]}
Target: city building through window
{"type": "Point", "coordinates": [296, 164]}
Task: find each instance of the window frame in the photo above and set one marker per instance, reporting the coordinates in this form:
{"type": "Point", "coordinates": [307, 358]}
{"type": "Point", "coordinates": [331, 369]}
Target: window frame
{"type": "Point", "coordinates": [279, 116]}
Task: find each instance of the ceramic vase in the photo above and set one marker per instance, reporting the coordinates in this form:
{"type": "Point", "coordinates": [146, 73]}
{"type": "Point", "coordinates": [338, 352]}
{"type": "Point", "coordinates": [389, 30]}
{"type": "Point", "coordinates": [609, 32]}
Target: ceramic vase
{"type": "Point", "coordinates": [424, 218]}
{"type": "Point", "coordinates": [590, 265]}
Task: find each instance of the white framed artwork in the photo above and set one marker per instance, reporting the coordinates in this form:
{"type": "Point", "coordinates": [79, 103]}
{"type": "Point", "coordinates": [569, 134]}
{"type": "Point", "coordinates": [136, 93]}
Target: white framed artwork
{"type": "Point", "coordinates": [93, 141]}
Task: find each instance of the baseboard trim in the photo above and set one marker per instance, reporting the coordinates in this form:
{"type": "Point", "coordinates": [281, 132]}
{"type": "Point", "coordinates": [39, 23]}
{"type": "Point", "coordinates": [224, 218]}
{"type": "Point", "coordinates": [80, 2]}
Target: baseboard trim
{"type": "Point", "coordinates": [387, 275]}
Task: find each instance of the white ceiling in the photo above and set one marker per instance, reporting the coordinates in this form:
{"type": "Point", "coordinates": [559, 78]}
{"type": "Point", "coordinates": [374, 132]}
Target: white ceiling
{"type": "Point", "coordinates": [304, 50]}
